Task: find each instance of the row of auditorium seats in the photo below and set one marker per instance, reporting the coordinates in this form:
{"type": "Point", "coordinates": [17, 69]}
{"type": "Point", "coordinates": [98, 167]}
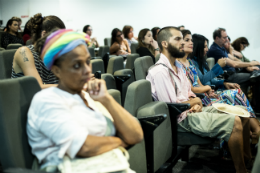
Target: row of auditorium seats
{"type": "Point", "coordinates": [162, 144]}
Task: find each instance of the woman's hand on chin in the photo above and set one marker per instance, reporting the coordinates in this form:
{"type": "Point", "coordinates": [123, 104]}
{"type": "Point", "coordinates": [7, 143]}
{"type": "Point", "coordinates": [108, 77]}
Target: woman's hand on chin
{"type": "Point", "coordinates": [97, 90]}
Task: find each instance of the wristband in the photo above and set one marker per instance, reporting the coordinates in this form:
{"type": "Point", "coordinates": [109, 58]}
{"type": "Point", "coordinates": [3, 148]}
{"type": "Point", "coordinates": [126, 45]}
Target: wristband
{"type": "Point", "coordinates": [157, 49]}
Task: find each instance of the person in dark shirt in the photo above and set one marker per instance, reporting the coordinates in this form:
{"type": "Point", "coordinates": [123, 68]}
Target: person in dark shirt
{"type": "Point", "coordinates": [11, 35]}
{"type": "Point", "coordinates": [217, 51]}
{"type": "Point", "coordinates": [147, 46]}
{"type": "Point", "coordinates": [155, 31]}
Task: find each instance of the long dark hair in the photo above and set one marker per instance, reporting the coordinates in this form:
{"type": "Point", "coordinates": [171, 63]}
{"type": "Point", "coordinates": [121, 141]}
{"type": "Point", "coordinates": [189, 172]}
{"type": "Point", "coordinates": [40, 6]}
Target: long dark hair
{"type": "Point", "coordinates": [10, 22]}
{"type": "Point", "coordinates": [198, 51]}
{"type": "Point", "coordinates": [126, 30]}
{"type": "Point", "coordinates": [154, 31]}
{"type": "Point", "coordinates": [37, 24]}
{"type": "Point", "coordinates": [114, 34]}
{"type": "Point", "coordinates": [27, 30]}
{"type": "Point", "coordinates": [141, 36]}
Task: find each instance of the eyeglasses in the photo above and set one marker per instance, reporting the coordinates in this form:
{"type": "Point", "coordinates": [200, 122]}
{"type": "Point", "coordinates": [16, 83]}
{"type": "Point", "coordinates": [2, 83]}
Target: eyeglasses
{"type": "Point", "coordinates": [119, 35]}
{"type": "Point", "coordinates": [244, 46]}
{"type": "Point", "coordinates": [90, 29]}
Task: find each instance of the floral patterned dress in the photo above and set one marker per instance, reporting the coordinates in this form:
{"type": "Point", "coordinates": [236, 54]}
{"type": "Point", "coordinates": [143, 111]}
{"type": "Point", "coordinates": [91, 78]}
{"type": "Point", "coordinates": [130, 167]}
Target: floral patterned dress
{"type": "Point", "coordinates": [231, 97]}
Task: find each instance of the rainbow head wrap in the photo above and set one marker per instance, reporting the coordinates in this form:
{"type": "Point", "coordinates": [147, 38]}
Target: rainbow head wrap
{"type": "Point", "coordinates": [60, 42]}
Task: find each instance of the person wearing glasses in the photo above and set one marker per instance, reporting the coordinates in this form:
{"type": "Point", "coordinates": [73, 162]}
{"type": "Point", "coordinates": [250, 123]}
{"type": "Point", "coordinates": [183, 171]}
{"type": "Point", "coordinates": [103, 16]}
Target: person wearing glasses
{"type": "Point", "coordinates": [217, 50]}
{"type": "Point", "coordinates": [93, 41]}
{"type": "Point", "coordinates": [119, 45]}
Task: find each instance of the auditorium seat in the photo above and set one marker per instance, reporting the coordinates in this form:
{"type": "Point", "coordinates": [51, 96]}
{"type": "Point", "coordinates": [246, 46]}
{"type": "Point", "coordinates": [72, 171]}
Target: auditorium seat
{"type": "Point", "coordinates": [28, 42]}
{"type": "Point", "coordinates": [115, 63]}
{"type": "Point", "coordinates": [103, 50]}
{"type": "Point", "coordinates": [130, 60]}
{"type": "Point", "coordinates": [15, 99]}
{"type": "Point", "coordinates": [110, 80]}
{"type": "Point", "coordinates": [97, 65]}
{"type": "Point", "coordinates": [14, 46]}
{"type": "Point", "coordinates": [107, 42]}
{"type": "Point", "coordinates": [142, 65]}
{"type": "Point", "coordinates": [211, 62]}
{"type": "Point", "coordinates": [6, 62]}
{"type": "Point", "coordinates": [139, 103]}
{"type": "Point", "coordinates": [115, 94]}
{"type": "Point", "coordinates": [1, 49]}
{"type": "Point", "coordinates": [91, 50]}
{"type": "Point", "coordinates": [133, 47]}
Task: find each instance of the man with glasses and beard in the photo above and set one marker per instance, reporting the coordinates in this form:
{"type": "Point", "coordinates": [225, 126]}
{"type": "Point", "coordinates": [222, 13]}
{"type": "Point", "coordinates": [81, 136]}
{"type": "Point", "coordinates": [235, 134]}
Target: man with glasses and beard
{"type": "Point", "coordinates": [170, 84]}
{"type": "Point", "coordinates": [217, 51]}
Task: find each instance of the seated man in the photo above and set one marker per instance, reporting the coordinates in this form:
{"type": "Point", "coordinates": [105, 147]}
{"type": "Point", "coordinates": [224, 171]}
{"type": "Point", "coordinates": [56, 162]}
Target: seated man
{"type": "Point", "coordinates": [170, 84]}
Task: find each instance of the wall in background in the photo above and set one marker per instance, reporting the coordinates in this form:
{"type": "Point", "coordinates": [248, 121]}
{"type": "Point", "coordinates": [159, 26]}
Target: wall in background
{"type": "Point", "coordinates": [239, 17]}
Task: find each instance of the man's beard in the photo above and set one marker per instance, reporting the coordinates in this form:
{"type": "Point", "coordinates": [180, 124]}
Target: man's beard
{"type": "Point", "coordinates": [175, 52]}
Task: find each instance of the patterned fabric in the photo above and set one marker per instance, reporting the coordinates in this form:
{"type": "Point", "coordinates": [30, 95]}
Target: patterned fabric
{"type": "Point", "coordinates": [59, 43]}
{"type": "Point", "coordinates": [232, 97]}
{"type": "Point", "coordinates": [10, 39]}
{"type": "Point", "coordinates": [46, 75]}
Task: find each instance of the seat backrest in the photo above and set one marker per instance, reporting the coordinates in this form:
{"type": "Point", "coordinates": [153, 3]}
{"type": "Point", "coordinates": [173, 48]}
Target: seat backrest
{"type": "Point", "coordinates": [110, 80]}
{"type": "Point", "coordinates": [97, 65]}
{"type": "Point", "coordinates": [107, 42]}
{"type": "Point", "coordinates": [1, 33]}
{"type": "Point", "coordinates": [142, 65]}
{"type": "Point", "coordinates": [211, 62]}
{"type": "Point", "coordinates": [130, 60]}
{"type": "Point", "coordinates": [115, 63]}
{"type": "Point", "coordinates": [6, 63]}
{"type": "Point", "coordinates": [134, 47]}
{"type": "Point", "coordinates": [103, 50]}
{"type": "Point", "coordinates": [15, 98]}
{"type": "Point", "coordinates": [29, 42]}
{"type": "Point", "coordinates": [157, 57]}
{"type": "Point", "coordinates": [115, 94]}
{"type": "Point", "coordinates": [1, 49]}
{"type": "Point", "coordinates": [91, 50]}
{"type": "Point", "coordinates": [138, 94]}
{"type": "Point", "coordinates": [14, 46]}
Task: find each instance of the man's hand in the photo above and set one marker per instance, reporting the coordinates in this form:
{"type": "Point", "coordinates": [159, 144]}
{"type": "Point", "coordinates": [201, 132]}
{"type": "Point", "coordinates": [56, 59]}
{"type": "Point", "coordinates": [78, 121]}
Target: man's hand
{"type": "Point", "coordinates": [231, 85]}
{"type": "Point", "coordinates": [196, 108]}
{"type": "Point", "coordinates": [252, 68]}
{"type": "Point", "coordinates": [254, 63]}
{"type": "Point", "coordinates": [212, 94]}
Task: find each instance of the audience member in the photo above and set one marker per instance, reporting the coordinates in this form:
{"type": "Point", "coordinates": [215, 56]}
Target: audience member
{"type": "Point", "coordinates": [119, 45]}
{"type": "Point", "coordinates": [170, 84]}
{"type": "Point", "coordinates": [232, 54]}
{"type": "Point", "coordinates": [207, 76]}
{"type": "Point", "coordinates": [26, 59]}
{"type": "Point", "coordinates": [129, 35]}
{"type": "Point", "coordinates": [67, 120]}
{"type": "Point", "coordinates": [11, 35]}
{"type": "Point", "coordinates": [231, 97]}
{"type": "Point", "coordinates": [182, 27]}
{"type": "Point", "coordinates": [26, 33]}
{"type": "Point", "coordinates": [19, 20]}
{"type": "Point", "coordinates": [93, 41]}
{"type": "Point", "coordinates": [155, 31]}
{"type": "Point", "coordinates": [147, 46]}
{"type": "Point", "coordinates": [218, 51]}
{"type": "Point", "coordinates": [239, 45]}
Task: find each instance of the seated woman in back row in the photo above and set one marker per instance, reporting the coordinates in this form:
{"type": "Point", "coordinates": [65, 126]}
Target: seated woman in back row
{"type": "Point", "coordinates": [93, 41]}
{"type": "Point", "coordinates": [26, 60]}
{"type": "Point", "coordinates": [119, 45]}
{"type": "Point", "coordinates": [11, 35]}
{"type": "Point", "coordinates": [77, 118]}
{"type": "Point", "coordinates": [147, 46]}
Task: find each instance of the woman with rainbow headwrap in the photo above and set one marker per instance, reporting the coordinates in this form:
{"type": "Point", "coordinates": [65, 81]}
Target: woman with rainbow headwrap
{"type": "Point", "coordinates": [78, 117]}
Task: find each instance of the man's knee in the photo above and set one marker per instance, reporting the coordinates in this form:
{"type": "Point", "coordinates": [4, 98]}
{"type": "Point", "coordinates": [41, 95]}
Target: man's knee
{"type": "Point", "coordinates": [237, 125]}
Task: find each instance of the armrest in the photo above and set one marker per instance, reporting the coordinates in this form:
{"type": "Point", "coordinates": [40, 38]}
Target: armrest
{"type": "Point", "coordinates": [97, 74]}
{"type": "Point", "coordinates": [120, 79]}
{"type": "Point", "coordinates": [150, 123]}
{"type": "Point", "coordinates": [213, 87]}
{"type": "Point", "coordinates": [177, 108]}
{"type": "Point", "coordinates": [200, 95]}
{"type": "Point", "coordinates": [21, 170]}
